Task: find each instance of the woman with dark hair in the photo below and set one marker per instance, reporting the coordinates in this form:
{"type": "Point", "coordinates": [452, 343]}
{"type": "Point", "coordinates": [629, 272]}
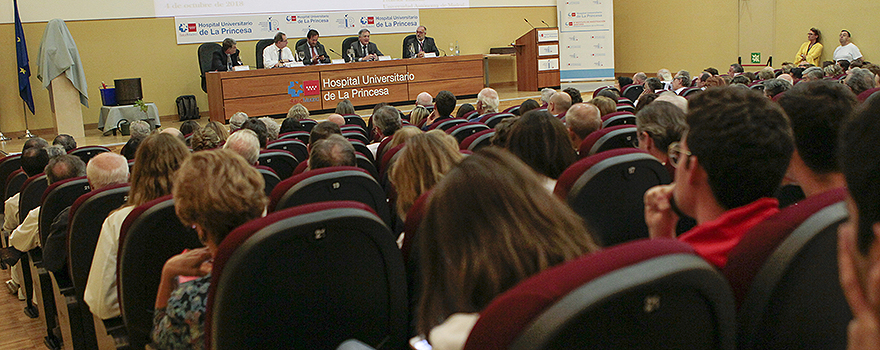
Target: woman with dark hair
{"type": "Point", "coordinates": [528, 105]}
{"type": "Point", "coordinates": [344, 107]}
{"type": "Point", "coordinates": [811, 50]}
{"type": "Point", "coordinates": [464, 109]}
{"type": "Point", "coordinates": [484, 231]}
{"type": "Point", "coordinates": [541, 141]}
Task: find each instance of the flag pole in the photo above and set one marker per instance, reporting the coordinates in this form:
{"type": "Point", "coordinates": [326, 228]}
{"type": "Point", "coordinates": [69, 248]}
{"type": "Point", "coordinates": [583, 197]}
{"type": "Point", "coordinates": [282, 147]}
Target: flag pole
{"type": "Point", "coordinates": [27, 131]}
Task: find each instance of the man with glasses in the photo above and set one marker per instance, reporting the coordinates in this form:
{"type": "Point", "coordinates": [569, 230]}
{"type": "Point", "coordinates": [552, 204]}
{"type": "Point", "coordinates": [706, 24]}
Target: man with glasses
{"type": "Point", "coordinates": [728, 165]}
{"type": "Point", "coordinates": [277, 54]}
{"type": "Point", "coordinates": [420, 44]}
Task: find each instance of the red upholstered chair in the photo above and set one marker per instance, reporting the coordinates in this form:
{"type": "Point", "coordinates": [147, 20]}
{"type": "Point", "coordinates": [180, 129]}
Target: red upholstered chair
{"type": "Point", "coordinates": [512, 110]}
{"type": "Point", "coordinates": [607, 190]}
{"type": "Point", "coordinates": [8, 164]}
{"type": "Point", "coordinates": [308, 124]}
{"type": "Point", "coordinates": [297, 148]}
{"type": "Point", "coordinates": [31, 193]}
{"type": "Point", "coordinates": [625, 100]}
{"type": "Point", "coordinates": [597, 91]}
{"type": "Point", "coordinates": [462, 131]}
{"type": "Point", "coordinates": [302, 136]}
{"type": "Point", "coordinates": [478, 140]}
{"type": "Point", "coordinates": [689, 92]}
{"type": "Point", "coordinates": [14, 182]}
{"type": "Point", "coordinates": [150, 235]}
{"type": "Point", "coordinates": [471, 114]}
{"type": "Point", "coordinates": [331, 184]}
{"type": "Point", "coordinates": [388, 159]}
{"type": "Point", "coordinates": [270, 178]}
{"type": "Point", "coordinates": [353, 128]}
{"type": "Point", "coordinates": [300, 168]}
{"type": "Point", "coordinates": [382, 148]}
{"type": "Point", "coordinates": [87, 152]}
{"type": "Point", "coordinates": [283, 162]}
{"type": "Point", "coordinates": [87, 214]}
{"type": "Point", "coordinates": [618, 118]}
{"type": "Point", "coordinates": [623, 107]}
{"type": "Point", "coordinates": [647, 294]}
{"type": "Point", "coordinates": [784, 276]}
{"type": "Point", "coordinates": [778, 96]}
{"type": "Point", "coordinates": [355, 120]}
{"type": "Point", "coordinates": [446, 124]}
{"type": "Point", "coordinates": [336, 273]}
{"type": "Point", "coordinates": [493, 120]}
{"type": "Point", "coordinates": [867, 93]}
{"type": "Point", "coordinates": [621, 136]}
{"type": "Point", "coordinates": [633, 91]}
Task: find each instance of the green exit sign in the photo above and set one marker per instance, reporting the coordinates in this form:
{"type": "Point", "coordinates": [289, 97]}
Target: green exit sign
{"type": "Point", "coordinates": [756, 57]}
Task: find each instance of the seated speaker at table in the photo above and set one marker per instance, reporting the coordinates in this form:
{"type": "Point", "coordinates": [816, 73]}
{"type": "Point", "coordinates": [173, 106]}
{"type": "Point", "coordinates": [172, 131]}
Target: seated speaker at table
{"type": "Point", "coordinates": [227, 57]}
{"type": "Point", "coordinates": [364, 50]}
{"type": "Point", "coordinates": [278, 53]}
{"type": "Point", "coordinates": [420, 44]}
{"type": "Point", "coordinates": [312, 51]}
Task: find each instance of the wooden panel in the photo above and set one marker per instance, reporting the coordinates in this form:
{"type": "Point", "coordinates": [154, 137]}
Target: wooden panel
{"type": "Point", "coordinates": [234, 87]}
{"type": "Point", "coordinates": [268, 105]}
{"type": "Point", "coordinates": [548, 79]}
{"type": "Point", "coordinates": [458, 87]}
{"type": "Point", "coordinates": [365, 96]}
{"type": "Point", "coordinates": [215, 97]}
{"type": "Point", "coordinates": [370, 76]}
{"type": "Point", "coordinates": [444, 71]}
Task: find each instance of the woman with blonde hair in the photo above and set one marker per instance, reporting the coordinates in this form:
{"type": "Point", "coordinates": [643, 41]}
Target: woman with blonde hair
{"type": "Point", "coordinates": [420, 165]}
{"type": "Point", "coordinates": [404, 134]}
{"type": "Point", "coordinates": [219, 129]}
{"type": "Point", "coordinates": [204, 139]}
{"type": "Point", "coordinates": [156, 160]}
{"type": "Point", "coordinates": [418, 114]}
{"type": "Point", "coordinates": [214, 192]}
{"type": "Point", "coordinates": [485, 230]}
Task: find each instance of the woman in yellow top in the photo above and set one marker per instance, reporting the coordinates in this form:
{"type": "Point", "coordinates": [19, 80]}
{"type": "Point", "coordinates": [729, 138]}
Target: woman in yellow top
{"type": "Point", "coordinates": [811, 50]}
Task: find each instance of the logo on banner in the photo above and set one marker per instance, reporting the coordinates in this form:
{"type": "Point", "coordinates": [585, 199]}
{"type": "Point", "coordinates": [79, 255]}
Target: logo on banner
{"type": "Point", "coordinates": [187, 27]}
{"type": "Point", "coordinates": [291, 18]}
{"type": "Point", "coordinates": [306, 88]}
{"type": "Point", "coordinates": [368, 20]}
{"type": "Point", "coordinates": [270, 25]}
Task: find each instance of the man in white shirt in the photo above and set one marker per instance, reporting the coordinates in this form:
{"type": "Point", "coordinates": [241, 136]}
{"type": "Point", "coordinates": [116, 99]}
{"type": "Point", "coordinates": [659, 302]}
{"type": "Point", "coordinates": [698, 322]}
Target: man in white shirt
{"type": "Point", "coordinates": [847, 51]}
{"type": "Point", "coordinates": [278, 53]}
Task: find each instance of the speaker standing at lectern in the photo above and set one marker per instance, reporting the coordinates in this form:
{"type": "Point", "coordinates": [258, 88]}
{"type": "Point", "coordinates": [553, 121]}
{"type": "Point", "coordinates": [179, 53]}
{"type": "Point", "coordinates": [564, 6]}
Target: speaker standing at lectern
{"type": "Point", "coordinates": [312, 51]}
{"type": "Point", "coordinates": [277, 54]}
{"type": "Point", "coordinates": [227, 58]}
{"type": "Point", "coordinates": [364, 50]}
{"type": "Point", "coordinates": [420, 44]}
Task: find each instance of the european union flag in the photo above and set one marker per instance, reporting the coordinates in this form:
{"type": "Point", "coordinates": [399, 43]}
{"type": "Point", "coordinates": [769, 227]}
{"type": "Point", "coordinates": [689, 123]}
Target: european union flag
{"type": "Point", "coordinates": [24, 69]}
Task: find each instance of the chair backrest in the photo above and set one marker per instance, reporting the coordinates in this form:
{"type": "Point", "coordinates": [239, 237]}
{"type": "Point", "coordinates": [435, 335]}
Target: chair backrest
{"type": "Point", "coordinates": [493, 120]}
{"type": "Point", "coordinates": [621, 136]}
{"type": "Point", "coordinates": [302, 136]}
{"type": "Point", "coordinates": [308, 124]}
{"type": "Point", "coordinates": [478, 140]}
{"type": "Point", "coordinates": [620, 178]}
{"type": "Point", "coordinates": [31, 194]}
{"type": "Point", "coordinates": [206, 56]}
{"type": "Point", "coordinates": [300, 168]}
{"type": "Point", "coordinates": [648, 294]}
{"type": "Point", "coordinates": [149, 236]}
{"type": "Point", "coordinates": [58, 196]}
{"type": "Point", "coordinates": [690, 91]}
{"type": "Point", "coordinates": [867, 93]}
{"type": "Point", "coordinates": [261, 45]}
{"type": "Point", "coordinates": [8, 164]}
{"type": "Point", "coordinates": [623, 107]}
{"type": "Point", "coordinates": [625, 100]}
{"type": "Point", "coordinates": [365, 163]}
{"type": "Point", "coordinates": [633, 91]}
{"type": "Point", "coordinates": [785, 272]}
{"type": "Point", "coordinates": [87, 214]}
{"type": "Point", "coordinates": [462, 131]}
{"type": "Point", "coordinates": [406, 40]}
{"type": "Point", "coordinates": [270, 178]}
{"type": "Point", "coordinates": [346, 44]}
{"type": "Point", "coordinates": [14, 182]}
{"type": "Point", "coordinates": [447, 124]}
{"type": "Point", "coordinates": [87, 152]}
{"type": "Point", "coordinates": [471, 115]}
{"type": "Point", "coordinates": [623, 118]}
{"type": "Point", "coordinates": [353, 128]}
{"type": "Point", "coordinates": [331, 184]}
{"type": "Point", "coordinates": [336, 273]}
{"type": "Point", "coordinates": [363, 149]}
{"type": "Point", "coordinates": [388, 158]}
{"type": "Point", "coordinates": [283, 162]}
{"type": "Point", "coordinates": [297, 148]}
{"type": "Point", "coordinates": [382, 148]}
{"type": "Point", "coordinates": [357, 136]}
{"type": "Point", "coordinates": [355, 119]}
{"type": "Point", "coordinates": [299, 43]}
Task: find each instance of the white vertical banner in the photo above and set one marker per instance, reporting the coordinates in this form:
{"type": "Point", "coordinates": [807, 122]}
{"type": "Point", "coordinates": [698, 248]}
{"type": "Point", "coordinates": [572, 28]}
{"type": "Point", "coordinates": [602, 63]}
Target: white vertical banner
{"type": "Point", "coordinates": [586, 39]}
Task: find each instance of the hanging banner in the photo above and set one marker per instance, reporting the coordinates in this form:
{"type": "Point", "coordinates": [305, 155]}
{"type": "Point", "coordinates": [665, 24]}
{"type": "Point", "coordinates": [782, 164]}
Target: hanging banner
{"type": "Point", "coordinates": [191, 30]}
{"type": "Point", "coordinates": [586, 39]}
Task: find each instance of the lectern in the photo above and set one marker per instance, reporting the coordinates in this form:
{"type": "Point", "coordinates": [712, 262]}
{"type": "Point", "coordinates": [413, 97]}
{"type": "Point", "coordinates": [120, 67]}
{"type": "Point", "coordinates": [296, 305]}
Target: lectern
{"type": "Point", "coordinates": [537, 59]}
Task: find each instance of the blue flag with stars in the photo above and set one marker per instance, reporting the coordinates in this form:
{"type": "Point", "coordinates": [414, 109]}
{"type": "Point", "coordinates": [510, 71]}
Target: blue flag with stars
{"type": "Point", "coordinates": [24, 69]}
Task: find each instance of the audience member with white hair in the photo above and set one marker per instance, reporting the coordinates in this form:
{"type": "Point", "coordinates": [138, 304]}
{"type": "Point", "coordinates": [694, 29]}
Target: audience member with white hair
{"type": "Point", "coordinates": [546, 94]}
{"type": "Point", "coordinates": [581, 120]}
{"type": "Point", "coordinates": [236, 120]}
{"type": "Point", "coordinates": [245, 143]}
{"type": "Point", "coordinates": [272, 127]}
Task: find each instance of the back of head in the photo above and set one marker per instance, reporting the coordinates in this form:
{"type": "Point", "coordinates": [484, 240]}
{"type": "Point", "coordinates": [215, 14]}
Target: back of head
{"type": "Point", "coordinates": [244, 143]}
{"type": "Point", "coordinates": [289, 125]}
{"type": "Point", "coordinates": [861, 167]}
{"type": "Point", "coordinates": [605, 104]}
{"type": "Point", "coordinates": [218, 191]}
{"type": "Point", "coordinates": [528, 105]}
{"type": "Point", "coordinates": [34, 160]}
{"type": "Point", "coordinates": [817, 109]}
{"type": "Point", "coordinates": [502, 131]}
{"type": "Point", "coordinates": [322, 131]}
{"type": "Point", "coordinates": [107, 169]}
{"type": "Point", "coordinates": [541, 141]}
{"type": "Point", "coordinates": [332, 151]}
{"type": "Point", "coordinates": [741, 79]}
{"type": "Point", "coordinates": [640, 77]}
{"type": "Point", "coordinates": [737, 68]}
{"type": "Point", "coordinates": [664, 74]}
{"type": "Point", "coordinates": [664, 123]}
{"type": "Point", "coordinates": [140, 129]}
{"type": "Point", "coordinates": [156, 160]}
{"type": "Point", "coordinates": [55, 151]}
{"type": "Point", "coordinates": [174, 132]}
{"type": "Point", "coordinates": [859, 80]}
{"type": "Point", "coordinates": [624, 81]}
{"type": "Point", "coordinates": [189, 126]}
{"type": "Point", "coordinates": [418, 114]}
{"type": "Point", "coordinates": [236, 120]}
{"type": "Point", "coordinates": [259, 128]}
{"type": "Point", "coordinates": [644, 100]}
{"type": "Point", "coordinates": [487, 218]}
{"type": "Point", "coordinates": [403, 135]}
{"type": "Point", "coordinates": [776, 86]}
{"type": "Point", "coordinates": [344, 107]}
{"type": "Point", "coordinates": [671, 97]}
{"type": "Point", "coordinates": [66, 141]}
{"type": "Point", "coordinates": [711, 70]}
{"type": "Point", "coordinates": [298, 112]}
{"type": "Point", "coordinates": [575, 94]}
{"type": "Point", "coordinates": [64, 167]}
{"type": "Point", "coordinates": [814, 73]}
{"type": "Point", "coordinates": [444, 103]}
{"type": "Point", "coordinates": [561, 102]}
{"type": "Point", "coordinates": [422, 163]}
{"type": "Point", "coordinates": [387, 120]}
{"type": "Point", "coordinates": [546, 94]}
{"type": "Point", "coordinates": [610, 93]}
{"type": "Point", "coordinates": [742, 140]}
{"type": "Point", "coordinates": [424, 99]}
{"type": "Point", "coordinates": [38, 142]}
{"type": "Point", "coordinates": [583, 118]}
{"type": "Point", "coordinates": [204, 139]}
{"type": "Point", "coordinates": [654, 84]}
{"type": "Point", "coordinates": [272, 127]}
{"type": "Point", "coordinates": [488, 97]}
{"type": "Point", "coordinates": [219, 129]}
{"type": "Point", "coordinates": [336, 118]}
{"type": "Point", "coordinates": [766, 73]}
{"type": "Point", "coordinates": [464, 109]}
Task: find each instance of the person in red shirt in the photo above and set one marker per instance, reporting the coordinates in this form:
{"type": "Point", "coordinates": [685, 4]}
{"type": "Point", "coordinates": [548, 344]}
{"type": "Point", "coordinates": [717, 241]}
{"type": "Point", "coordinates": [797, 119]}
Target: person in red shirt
{"type": "Point", "coordinates": [728, 165]}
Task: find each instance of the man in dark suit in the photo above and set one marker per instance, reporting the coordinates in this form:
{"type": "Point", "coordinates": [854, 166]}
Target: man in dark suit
{"type": "Point", "coordinates": [313, 51]}
{"type": "Point", "coordinates": [227, 57]}
{"type": "Point", "coordinates": [420, 44]}
{"type": "Point", "coordinates": [364, 50]}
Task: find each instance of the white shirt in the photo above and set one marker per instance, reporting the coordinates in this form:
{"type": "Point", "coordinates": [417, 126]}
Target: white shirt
{"type": "Point", "coordinates": [10, 217]}
{"type": "Point", "coordinates": [26, 236]}
{"type": "Point", "coordinates": [270, 55]}
{"type": "Point", "coordinates": [847, 52]}
{"type": "Point", "coordinates": [100, 293]}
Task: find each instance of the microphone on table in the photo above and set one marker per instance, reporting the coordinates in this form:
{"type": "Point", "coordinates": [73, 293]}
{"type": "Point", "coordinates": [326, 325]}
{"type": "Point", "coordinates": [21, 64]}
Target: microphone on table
{"type": "Point", "coordinates": [530, 23]}
{"type": "Point", "coordinates": [545, 23]}
{"type": "Point", "coordinates": [334, 51]}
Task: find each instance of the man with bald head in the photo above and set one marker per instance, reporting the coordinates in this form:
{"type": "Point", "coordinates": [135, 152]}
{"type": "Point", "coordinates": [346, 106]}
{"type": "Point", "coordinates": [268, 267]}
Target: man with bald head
{"type": "Point", "coordinates": [425, 100]}
{"type": "Point", "coordinates": [336, 119]}
{"type": "Point", "coordinates": [487, 102]}
{"type": "Point", "coordinates": [560, 102]}
{"type": "Point", "coordinates": [639, 78]}
{"type": "Point", "coordinates": [581, 120]}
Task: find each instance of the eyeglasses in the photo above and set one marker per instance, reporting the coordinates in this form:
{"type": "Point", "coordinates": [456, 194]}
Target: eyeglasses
{"type": "Point", "coordinates": [674, 152]}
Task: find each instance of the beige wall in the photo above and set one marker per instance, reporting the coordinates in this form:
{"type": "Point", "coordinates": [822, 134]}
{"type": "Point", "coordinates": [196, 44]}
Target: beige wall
{"type": "Point", "coordinates": [795, 19]}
